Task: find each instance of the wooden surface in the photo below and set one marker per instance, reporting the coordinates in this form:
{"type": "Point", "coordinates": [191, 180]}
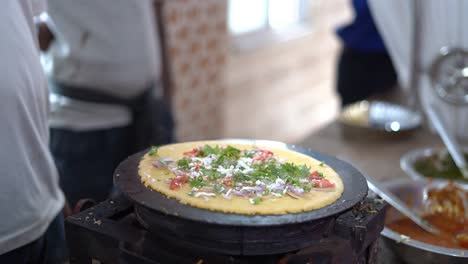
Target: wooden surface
{"type": "Point", "coordinates": [375, 156]}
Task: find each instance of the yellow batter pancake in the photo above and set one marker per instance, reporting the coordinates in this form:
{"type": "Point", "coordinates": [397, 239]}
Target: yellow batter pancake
{"type": "Point", "coordinates": [159, 179]}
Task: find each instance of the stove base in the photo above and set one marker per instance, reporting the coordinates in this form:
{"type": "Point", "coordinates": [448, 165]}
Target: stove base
{"type": "Point", "coordinates": [109, 232]}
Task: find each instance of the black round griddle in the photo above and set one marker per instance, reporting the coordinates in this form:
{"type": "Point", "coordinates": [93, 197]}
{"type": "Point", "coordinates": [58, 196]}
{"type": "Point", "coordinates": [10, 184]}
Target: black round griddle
{"type": "Point", "coordinates": [237, 234]}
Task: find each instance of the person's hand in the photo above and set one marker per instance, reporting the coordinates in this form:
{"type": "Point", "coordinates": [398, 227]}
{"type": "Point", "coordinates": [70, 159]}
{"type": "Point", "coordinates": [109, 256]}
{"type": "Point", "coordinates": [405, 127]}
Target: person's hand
{"type": "Point", "coordinates": [67, 211]}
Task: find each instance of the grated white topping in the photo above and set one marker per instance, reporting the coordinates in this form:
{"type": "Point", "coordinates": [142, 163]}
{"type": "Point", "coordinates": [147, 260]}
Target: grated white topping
{"type": "Point", "coordinates": [244, 163]}
{"type": "Point", "coordinates": [195, 174]}
{"type": "Point", "coordinates": [259, 182]}
{"type": "Point", "coordinates": [227, 194]}
{"type": "Point", "coordinates": [226, 171]}
{"type": "Point", "coordinates": [280, 181]}
{"type": "Point", "coordinates": [247, 171]}
{"type": "Point", "coordinates": [206, 161]}
{"type": "Point", "coordinates": [198, 194]}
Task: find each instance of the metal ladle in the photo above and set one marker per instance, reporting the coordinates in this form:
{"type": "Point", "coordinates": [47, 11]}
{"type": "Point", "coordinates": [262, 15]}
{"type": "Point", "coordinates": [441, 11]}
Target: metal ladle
{"type": "Point", "coordinates": [400, 206]}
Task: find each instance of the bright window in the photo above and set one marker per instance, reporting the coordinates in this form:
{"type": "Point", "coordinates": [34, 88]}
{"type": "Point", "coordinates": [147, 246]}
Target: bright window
{"type": "Point", "coordinates": [252, 15]}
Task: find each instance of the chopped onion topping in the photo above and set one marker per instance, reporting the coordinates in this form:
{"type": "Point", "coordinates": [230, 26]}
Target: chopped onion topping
{"type": "Point", "coordinates": [253, 188]}
{"type": "Point", "coordinates": [166, 160]}
{"type": "Point", "coordinates": [239, 193]}
{"type": "Point", "coordinates": [207, 188]}
{"type": "Point", "coordinates": [296, 190]}
{"type": "Point", "coordinates": [157, 164]}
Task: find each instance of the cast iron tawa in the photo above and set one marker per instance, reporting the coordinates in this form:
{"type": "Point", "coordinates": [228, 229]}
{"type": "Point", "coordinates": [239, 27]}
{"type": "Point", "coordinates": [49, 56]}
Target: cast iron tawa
{"type": "Point", "coordinates": [237, 234]}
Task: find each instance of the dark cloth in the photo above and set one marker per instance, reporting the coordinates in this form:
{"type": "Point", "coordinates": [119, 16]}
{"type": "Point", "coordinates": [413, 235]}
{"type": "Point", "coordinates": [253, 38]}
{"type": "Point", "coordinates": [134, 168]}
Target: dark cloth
{"type": "Point", "coordinates": [50, 248]}
{"type": "Point", "coordinates": [86, 160]}
{"type": "Point", "coordinates": [362, 74]}
{"type": "Point", "coordinates": [361, 34]}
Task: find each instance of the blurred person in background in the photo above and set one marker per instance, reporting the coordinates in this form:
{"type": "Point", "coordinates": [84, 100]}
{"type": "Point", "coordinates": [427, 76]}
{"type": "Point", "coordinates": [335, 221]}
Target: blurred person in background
{"type": "Point", "coordinates": [364, 66]}
{"type": "Point", "coordinates": [31, 229]}
{"type": "Point", "coordinates": [107, 102]}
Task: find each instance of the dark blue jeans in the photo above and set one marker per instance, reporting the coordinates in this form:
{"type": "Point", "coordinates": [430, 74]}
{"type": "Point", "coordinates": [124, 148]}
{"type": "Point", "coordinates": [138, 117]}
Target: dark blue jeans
{"type": "Point", "coordinates": [86, 160]}
{"type": "Point", "coordinates": [50, 248]}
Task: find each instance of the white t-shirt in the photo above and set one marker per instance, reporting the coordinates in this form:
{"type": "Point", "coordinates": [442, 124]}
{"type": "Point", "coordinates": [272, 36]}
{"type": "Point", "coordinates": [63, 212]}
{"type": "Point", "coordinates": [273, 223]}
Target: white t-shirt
{"type": "Point", "coordinates": [30, 197]}
{"type": "Point", "coordinates": [104, 45]}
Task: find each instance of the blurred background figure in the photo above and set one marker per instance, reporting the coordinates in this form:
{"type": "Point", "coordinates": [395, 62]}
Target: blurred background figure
{"type": "Point", "coordinates": [107, 99]}
{"type": "Point", "coordinates": [364, 67]}
{"type": "Point", "coordinates": [31, 229]}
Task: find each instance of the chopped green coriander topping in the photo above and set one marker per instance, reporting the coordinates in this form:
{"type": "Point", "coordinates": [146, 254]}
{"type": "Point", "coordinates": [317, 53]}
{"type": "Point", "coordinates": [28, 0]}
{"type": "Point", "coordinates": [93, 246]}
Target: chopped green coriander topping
{"type": "Point", "coordinates": [184, 163]}
{"type": "Point", "coordinates": [251, 174]}
{"type": "Point", "coordinates": [256, 200]}
{"type": "Point", "coordinates": [197, 182]}
{"type": "Point", "coordinates": [208, 150]}
{"type": "Point", "coordinates": [321, 164]}
{"type": "Point", "coordinates": [153, 151]}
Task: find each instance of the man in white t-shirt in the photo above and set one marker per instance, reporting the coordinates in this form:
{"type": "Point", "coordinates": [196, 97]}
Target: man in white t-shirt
{"type": "Point", "coordinates": [104, 73]}
{"type": "Point", "coordinates": [30, 198]}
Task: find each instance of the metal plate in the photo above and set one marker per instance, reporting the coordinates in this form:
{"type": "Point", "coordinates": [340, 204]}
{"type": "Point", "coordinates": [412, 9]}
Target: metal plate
{"type": "Point", "coordinates": [408, 160]}
{"type": "Point", "coordinates": [128, 181]}
{"type": "Point", "coordinates": [380, 116]}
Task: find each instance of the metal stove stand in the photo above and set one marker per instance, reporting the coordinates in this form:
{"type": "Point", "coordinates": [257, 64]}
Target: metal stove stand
{"type": "Point", "coordinates": [109, 233]}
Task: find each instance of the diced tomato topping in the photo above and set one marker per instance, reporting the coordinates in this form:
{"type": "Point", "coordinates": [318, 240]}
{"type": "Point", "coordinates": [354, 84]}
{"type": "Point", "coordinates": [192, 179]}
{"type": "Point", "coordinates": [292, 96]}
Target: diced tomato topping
{"type": "Point", "coordinates": [263, 155]}
{"type": "Point", "coordinates": [227, 181]}
{"type": "Point", "coordinates": [196, 167]}
{"type": "Point", "coordinates": [322, 183]}
{"type": "Point", "coordinates": [315, 176]}
{"type": "Point", "coordinates": [191, 153]}
{"type": "Point", "coordinates": [177, 182]}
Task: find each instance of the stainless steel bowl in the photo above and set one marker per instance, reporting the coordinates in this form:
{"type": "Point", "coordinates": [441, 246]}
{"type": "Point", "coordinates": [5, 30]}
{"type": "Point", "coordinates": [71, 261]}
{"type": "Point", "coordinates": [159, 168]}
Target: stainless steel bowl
{"type": "Point", "coordinates": [407, 164]}
{"type": "Point", "coordinates": [409, 250]}
{"type": "Point", "coordinates": [378, 118]}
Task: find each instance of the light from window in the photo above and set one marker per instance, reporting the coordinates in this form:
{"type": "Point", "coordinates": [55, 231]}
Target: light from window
{"type": "Point", "coordinates": [282, 14]}
{"type": "Point", "coordinates": [247, 15]}
{"type": "Point", "coordinates": [253, 15]}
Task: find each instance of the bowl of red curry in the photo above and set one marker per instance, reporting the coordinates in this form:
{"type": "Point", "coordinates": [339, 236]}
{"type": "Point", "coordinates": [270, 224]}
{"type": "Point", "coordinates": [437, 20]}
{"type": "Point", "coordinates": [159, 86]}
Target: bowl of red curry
{"type": "Point", "coordinates": [443, 205]}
